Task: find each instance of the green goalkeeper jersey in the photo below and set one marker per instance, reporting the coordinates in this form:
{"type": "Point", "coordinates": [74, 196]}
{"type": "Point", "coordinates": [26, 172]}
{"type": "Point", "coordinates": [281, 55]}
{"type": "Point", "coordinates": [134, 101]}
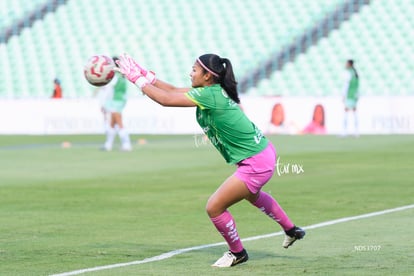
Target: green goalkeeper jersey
{"type": "Point", "coordinates": [225, 124]}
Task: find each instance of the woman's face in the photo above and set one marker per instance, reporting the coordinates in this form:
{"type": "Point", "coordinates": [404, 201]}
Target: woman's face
{"type": "Point", "coordinates": [197, 76]}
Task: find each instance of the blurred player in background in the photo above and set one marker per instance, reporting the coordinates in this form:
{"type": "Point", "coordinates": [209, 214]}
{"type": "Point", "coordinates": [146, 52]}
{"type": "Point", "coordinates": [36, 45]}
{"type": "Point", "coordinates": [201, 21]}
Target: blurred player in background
{"type": "Point", "coordinates": [350, 96]}
{"type": "Point", "coordinates": [240, 142]}
{"type": "Point", "coordinates": [57, 89]}
{"type": "Point", "coordinates": [116, 98]}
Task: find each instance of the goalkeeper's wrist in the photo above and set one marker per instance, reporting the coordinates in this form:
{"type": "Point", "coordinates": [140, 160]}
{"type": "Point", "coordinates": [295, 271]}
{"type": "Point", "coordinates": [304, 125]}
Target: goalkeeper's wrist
{"type": "Point", "coordinates": [150, 76]}
{"type": "Point", "coordinates": [141, 82]}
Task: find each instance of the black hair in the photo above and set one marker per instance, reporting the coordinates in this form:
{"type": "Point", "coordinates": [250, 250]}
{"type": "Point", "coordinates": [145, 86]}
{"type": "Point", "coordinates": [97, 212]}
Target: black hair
{"type": "Point", "coordinates": [223, 68]}
{"type": "Point", "coordinates": [351, 63]}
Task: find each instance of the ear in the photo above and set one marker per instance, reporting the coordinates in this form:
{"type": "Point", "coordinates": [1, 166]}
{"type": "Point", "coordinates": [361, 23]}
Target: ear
{"type": "Point", "coordinates": [207, 76]}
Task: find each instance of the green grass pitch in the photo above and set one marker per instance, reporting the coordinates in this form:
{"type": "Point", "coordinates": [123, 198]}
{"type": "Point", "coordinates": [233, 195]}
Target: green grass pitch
{"type": "Point", "coordinates": [64, 209]}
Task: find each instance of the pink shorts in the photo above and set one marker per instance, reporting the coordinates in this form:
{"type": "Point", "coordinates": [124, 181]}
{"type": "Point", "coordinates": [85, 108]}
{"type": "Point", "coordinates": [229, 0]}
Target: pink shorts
{"type": "Point", "coordinates": [257, 170]}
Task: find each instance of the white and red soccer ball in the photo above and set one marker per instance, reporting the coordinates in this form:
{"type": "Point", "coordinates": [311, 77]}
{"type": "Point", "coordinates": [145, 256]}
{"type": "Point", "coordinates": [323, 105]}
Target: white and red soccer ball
{"type": "Point", "coordinates": [99, 70]}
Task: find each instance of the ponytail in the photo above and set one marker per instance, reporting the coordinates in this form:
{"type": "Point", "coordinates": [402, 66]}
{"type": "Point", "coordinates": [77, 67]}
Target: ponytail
{"type": "Point", "coordinates": [222, 72]}
{"type": "Point", "coordinates": [228, 81]}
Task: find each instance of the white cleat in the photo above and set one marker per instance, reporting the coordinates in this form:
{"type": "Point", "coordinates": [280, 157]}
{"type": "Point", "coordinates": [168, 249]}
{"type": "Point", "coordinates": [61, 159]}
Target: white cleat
{"type": "Point", "coordinates": [229, 259]}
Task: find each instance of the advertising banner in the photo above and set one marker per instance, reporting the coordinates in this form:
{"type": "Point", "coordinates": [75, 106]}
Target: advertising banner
{"type": "Point", "coordinates": [283, 115]}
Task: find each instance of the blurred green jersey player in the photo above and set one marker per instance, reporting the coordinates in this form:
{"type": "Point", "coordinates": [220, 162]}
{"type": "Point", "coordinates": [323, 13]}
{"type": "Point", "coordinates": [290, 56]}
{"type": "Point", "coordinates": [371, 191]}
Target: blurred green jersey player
{"type": "Point", "coordinates": [115, 105]}
{"type": "Point", "coordinates": [350, 96]}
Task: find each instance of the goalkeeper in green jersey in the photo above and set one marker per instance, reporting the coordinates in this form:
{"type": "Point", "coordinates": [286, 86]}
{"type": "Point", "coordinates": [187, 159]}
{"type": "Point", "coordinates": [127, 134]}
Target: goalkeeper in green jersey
{"type": "Point", "coordinates": [350, 95]}
{"type": "Point", "coordinates": [239, 141]}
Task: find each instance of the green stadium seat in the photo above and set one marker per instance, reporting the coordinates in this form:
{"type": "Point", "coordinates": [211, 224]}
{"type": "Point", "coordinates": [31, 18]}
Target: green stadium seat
{"type": "Point", "coordinates": [380, 45]}
{"type": "Point", "coordinates": [168, 35]}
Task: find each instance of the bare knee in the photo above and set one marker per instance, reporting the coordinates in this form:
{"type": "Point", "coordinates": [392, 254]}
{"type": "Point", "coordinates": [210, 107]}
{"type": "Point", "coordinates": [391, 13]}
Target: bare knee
{"type": "Point", "coordinates": [230, 192]}
{"type": "Point", "coordinates": [213, 208]}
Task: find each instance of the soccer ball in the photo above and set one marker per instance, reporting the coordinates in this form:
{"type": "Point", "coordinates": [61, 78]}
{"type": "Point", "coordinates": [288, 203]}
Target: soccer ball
{"type": "Point", "coordinates": [99, 70]}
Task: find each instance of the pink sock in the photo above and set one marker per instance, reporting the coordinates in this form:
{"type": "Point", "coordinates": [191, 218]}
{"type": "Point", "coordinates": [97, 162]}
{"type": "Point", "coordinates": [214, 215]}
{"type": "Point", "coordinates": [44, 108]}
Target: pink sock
{"type": "Point", "coordinates": [268, 205]}
{"type": "Point", "coordinates": [227, 228]}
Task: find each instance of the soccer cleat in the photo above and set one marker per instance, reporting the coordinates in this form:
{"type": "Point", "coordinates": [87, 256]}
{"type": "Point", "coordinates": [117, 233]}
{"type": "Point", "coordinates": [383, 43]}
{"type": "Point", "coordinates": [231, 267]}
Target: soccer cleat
{"type": "Point", "coordinates": [296, 233]}
{"type": "Point", "coordinates": [230, 259]}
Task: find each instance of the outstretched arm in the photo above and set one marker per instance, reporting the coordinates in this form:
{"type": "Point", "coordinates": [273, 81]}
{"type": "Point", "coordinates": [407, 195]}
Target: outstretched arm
{"type": "Point", "coordinates": [169, 87]}
{"type": "Point", "coordinates": [161, 92]}
{"type": "Point", "coordinates": [168, 98]}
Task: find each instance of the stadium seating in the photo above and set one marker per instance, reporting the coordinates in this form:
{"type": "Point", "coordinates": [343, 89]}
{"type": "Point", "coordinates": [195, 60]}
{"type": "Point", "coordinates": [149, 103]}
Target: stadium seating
{"type": "Point", "coordinates": [169, 35]}
{"type": "Point", "coordinates": [10, 11]}
{"type": "Point", "coordinates": [377, 39]}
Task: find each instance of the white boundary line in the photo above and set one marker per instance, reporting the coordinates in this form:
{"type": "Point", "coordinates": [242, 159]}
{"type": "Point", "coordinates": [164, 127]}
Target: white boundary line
{"type": "Point", "coordinates": [170, 254]}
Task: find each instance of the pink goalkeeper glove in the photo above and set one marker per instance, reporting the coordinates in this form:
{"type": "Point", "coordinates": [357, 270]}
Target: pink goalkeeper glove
{"type": "Point", "coordinates": [128, 68]}
{"type": "Point", "coordinates": [134, 72]}
{"type": "Point", "coordinates": [149, 75]}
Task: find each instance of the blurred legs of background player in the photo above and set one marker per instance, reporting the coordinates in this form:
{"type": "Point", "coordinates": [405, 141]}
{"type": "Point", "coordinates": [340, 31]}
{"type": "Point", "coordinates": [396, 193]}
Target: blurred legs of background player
{"type": "Point", "coordinates": [115, 105]}
{"type": "Point", "coordinates": [350, 111]}
{"type": "Point", "coordinates": [116, 126]}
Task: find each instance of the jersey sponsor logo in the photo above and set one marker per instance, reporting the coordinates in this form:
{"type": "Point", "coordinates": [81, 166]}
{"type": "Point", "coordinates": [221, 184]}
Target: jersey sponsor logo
{"type": "Point", "coordinates": [258, 137]}
{"type": "Point", "coordinates": [230, 102]}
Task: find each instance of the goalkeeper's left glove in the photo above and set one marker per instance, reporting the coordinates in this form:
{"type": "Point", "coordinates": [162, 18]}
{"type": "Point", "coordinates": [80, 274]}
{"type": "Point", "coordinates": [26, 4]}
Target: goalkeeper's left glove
{"type": "Point", "coordinates": [133, 71]}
